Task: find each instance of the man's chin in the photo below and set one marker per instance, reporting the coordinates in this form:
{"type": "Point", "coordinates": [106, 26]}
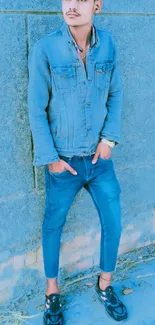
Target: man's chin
{"type": "Point", "coordinates": [72, 23]}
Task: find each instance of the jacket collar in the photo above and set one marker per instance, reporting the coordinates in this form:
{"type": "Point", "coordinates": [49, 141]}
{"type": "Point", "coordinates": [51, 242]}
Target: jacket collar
{"type": "Point", "coordinates": [66, 33]}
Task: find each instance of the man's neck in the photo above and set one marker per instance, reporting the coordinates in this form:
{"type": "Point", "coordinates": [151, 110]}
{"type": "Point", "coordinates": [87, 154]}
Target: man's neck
{"type": "Point", "coordinates": [81, 34]}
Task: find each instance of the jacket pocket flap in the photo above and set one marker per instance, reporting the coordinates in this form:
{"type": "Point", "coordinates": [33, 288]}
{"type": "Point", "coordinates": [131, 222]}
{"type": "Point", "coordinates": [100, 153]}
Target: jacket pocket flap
{"type": "Point", "coordinates": [64, 71]}
{"type": "Point", "coordinates": [105, 66]}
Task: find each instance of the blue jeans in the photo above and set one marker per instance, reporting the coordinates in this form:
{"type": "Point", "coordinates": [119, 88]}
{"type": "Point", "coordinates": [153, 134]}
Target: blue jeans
{"type": "Point", "coordinates": [61, 188]}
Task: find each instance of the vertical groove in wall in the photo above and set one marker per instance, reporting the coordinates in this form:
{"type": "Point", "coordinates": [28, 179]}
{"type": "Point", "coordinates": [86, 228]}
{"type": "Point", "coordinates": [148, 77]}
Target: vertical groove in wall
{"type": "Point", "coordinates": [27, 53]}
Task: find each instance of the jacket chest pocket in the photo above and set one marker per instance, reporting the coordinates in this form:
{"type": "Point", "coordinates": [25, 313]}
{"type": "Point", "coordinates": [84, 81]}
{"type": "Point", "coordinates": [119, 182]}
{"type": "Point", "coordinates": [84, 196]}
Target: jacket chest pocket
{"type": "Point", "coordinates": [103, 73]}
{"type": "Point", "coordinates": [64, 78]}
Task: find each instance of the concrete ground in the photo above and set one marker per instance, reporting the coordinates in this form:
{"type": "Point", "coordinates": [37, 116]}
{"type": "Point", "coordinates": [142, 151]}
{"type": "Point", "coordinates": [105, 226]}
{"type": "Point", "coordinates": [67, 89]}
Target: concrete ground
{"type": "Point", "coordinates": [134, 281]}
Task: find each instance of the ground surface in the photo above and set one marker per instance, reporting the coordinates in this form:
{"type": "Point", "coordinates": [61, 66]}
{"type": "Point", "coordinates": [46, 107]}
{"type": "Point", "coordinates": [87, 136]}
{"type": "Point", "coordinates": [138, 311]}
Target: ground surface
{"type": "Point", "coordinates": [134, 282]}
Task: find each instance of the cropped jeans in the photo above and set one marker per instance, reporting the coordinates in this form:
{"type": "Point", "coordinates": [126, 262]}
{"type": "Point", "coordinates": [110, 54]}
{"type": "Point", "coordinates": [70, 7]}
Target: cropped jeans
{"type": "Point", "coordinates": [61, 188]}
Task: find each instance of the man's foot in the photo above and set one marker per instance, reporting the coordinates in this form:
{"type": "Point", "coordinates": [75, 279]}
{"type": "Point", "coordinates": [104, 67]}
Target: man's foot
{"type": "Point", "coordinates": [52, 313]}
{"type": "Point", "coordinates": [113, 306]}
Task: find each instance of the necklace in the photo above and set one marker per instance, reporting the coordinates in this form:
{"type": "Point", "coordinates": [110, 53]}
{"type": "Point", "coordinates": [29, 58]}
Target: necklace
{"type": "Point", "coordinates": [86, 53]}
{"type": "Point", "coordinates": [84, 56]}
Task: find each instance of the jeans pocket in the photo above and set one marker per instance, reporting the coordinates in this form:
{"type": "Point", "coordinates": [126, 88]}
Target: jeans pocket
{"type": "Point", "coordinates": [58, 174]}
{"type": "Point", "coordinates": [103, 159]}
{"type": "Point", "coordinates": [65, 172]}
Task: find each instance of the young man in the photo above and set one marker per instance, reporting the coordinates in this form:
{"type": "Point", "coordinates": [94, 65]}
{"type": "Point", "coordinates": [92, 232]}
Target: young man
{"type": "Point", "coordinates": [75, 99]}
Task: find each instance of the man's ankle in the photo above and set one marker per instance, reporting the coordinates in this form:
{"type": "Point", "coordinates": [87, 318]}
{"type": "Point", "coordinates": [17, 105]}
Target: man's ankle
{"type": "Point", "coordinates": [105, 280]}
{"type": "Point", "coordinates": [52, 286]}
{"type": "Point", "coordinates": [104, 285]}
{"type": "Point", "coordinates": [51, 291]}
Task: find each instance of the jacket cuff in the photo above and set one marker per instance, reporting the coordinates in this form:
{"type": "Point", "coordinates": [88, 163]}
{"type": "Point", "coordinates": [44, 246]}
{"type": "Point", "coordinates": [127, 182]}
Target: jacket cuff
{"type": "Point", "coordinates": [111, 137]}
{"type": "Point", "coordinates": [45, 160]}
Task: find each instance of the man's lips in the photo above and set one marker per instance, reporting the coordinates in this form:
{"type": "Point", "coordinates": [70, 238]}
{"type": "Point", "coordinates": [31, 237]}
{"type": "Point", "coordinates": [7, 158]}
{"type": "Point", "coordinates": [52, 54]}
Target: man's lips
{"type": "Point", "coordinates": [73, 14]}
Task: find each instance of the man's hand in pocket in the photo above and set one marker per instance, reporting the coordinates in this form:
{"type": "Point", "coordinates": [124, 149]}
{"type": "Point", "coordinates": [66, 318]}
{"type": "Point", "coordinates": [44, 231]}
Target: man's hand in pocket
{"type": "Point", "coordinates": [60, 166]}
{"type": "Point", "coordinates": [103, 151]}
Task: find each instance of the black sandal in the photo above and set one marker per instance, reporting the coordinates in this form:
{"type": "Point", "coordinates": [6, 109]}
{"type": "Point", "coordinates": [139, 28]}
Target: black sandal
{"type": "Point", "coordinates": [113, 306]}
{"type": "Point", "coordinates": [52, 313]}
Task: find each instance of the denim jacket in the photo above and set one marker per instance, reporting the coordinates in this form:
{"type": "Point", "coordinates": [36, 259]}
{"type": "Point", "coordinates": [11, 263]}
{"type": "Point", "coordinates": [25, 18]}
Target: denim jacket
{"type": "Point", "coordinates": [71, 108]}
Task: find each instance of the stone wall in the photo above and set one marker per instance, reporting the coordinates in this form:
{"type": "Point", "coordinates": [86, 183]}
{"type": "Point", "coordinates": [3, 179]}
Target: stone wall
{"type": "Point", "coordinates": [22, 23]}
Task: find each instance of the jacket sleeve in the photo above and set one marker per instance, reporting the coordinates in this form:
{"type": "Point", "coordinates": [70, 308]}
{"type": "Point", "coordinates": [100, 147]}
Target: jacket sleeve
{"type": "Point", "coordinates": [112, 125]}
{"type": "Point", "coordinates": [39, 90]}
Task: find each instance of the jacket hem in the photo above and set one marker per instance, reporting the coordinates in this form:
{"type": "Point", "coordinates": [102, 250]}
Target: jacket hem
{"type": "Point", "coordinates": [76, 152]}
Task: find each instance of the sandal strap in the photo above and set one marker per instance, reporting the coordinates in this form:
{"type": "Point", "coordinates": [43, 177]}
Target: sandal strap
{"type": "Point", "coordinates": [53, 303]}
{"type": "Point", "coordinates": [113, 303]}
